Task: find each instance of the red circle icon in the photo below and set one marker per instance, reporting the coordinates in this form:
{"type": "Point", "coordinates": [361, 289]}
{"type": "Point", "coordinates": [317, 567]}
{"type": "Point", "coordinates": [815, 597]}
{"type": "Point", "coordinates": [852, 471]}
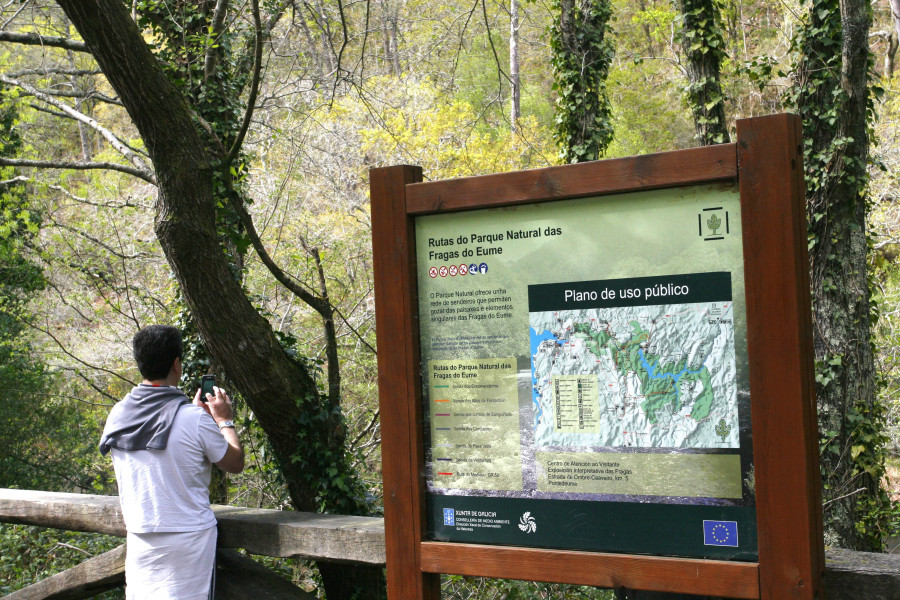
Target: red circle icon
{"type": "Point", "coordinates": [453, 270]}
{"type": "Point", "coordinates": [443, 271]}
{"type": "Point", "coordinates": [463, 269]}
{"type": "Point", "coordinates": [433, 272]}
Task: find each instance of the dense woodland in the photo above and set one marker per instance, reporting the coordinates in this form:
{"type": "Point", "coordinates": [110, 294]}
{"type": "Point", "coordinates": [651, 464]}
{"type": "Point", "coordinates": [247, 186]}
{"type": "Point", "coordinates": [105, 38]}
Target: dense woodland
{"type": "Point", "coordinates": [206, 164]}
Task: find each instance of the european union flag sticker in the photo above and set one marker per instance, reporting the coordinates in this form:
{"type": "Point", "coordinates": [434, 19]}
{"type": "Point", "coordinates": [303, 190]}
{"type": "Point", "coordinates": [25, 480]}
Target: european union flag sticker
{"type": "Point", "coordinates": [720, 533]}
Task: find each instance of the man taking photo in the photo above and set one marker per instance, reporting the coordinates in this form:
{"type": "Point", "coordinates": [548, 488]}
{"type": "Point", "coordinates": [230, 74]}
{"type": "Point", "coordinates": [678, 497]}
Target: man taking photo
{"type": "Point", "coordinates": [163, 447]}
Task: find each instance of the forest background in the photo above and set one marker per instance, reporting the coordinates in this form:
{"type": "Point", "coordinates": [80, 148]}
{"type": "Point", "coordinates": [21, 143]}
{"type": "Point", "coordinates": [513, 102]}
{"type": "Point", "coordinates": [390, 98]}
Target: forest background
{"type": "Point", "coordinates": [459, 88]}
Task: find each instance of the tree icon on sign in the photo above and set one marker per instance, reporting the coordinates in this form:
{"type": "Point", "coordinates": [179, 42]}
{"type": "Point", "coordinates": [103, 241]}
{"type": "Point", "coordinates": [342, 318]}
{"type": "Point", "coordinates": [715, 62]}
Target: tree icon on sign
{"type": "Point", "coordinates": [714, 223]}
{"type": "Point", "coordinates": [723, 429]}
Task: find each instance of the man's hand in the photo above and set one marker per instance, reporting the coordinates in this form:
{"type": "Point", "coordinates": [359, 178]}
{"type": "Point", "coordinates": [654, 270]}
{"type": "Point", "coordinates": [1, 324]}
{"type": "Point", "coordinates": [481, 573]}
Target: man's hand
{"type": "Point", "coordinates": [218, 406]}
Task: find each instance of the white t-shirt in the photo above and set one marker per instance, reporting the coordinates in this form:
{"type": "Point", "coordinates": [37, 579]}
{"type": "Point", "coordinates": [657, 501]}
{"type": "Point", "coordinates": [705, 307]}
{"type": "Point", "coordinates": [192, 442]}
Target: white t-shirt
{"type": "Point", "coordinates": [168, 490]}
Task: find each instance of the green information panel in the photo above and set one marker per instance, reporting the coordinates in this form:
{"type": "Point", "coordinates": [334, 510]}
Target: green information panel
{"type": "Point", "coordinates": [584, 366]}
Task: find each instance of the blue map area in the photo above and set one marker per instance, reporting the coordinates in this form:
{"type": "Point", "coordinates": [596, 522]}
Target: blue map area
{"type": "Point", "coordinates": [652, 372]}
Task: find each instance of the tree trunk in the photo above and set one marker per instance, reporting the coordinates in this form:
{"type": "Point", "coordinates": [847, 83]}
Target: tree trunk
{"type": "Point", "coordinates": [305, 431]}
{"type": "Point", "coordinates": [889, 55]}
{"type": "Point", "coordinates": [892, 39]}
{"type": "Point", "coordinates": [832, 94]}
{"type": "Point", "coordinates": [390, 14]}
{"type": "Point", "coordinates": [704, 49]}
{"type": "Point", "coordinates": [895, 15]}
{"type": "Point", "coordinates": [582, 54]}
{"type": "Point", "coordinates": [515, 111]}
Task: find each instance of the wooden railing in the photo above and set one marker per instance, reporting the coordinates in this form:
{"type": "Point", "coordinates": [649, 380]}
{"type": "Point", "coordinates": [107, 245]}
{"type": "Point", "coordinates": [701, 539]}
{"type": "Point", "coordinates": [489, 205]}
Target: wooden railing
{"type": "Point", "coordinates": [355, 540]}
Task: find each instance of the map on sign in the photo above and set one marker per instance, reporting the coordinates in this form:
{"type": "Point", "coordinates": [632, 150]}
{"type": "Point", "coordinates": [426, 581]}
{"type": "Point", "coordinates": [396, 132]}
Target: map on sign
{"type": "Point", "coordinates": [657, 376]}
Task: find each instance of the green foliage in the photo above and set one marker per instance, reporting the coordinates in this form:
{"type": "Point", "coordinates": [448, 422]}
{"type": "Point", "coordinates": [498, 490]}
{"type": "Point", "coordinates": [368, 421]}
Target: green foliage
{"type": "Point", "coordinates": [853, 449]}
{"type": "Point", "coordinates": [30, 554]}
{"type": "Point", "coordinates": [878, 515]}
{"type": "Point", "coordinates": [416, 123]}
{"type": "Point", "coordinates": [40, 437]}
{"type": "Point", "coordinates": [704, 45]}
{"type": "Point", "coordinates": [184, 36]}
{"type": "Point", "coordinates": [457, 587]}
{"type": "Point", "coordinates": [582, 54]}
{"type": "Point", "coordinates": [328, 471]}
{"type": "Point", "coordinates": [820, 99]}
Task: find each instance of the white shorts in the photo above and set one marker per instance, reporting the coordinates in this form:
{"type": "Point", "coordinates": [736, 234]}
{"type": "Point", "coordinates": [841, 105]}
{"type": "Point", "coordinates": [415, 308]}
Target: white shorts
{"type": "Point", "coordinates": [170, 566]}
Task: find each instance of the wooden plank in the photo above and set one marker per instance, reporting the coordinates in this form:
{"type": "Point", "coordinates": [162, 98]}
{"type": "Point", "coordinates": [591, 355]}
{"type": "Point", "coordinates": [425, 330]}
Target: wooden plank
{"type": "Point", "coordinates": [336, 538]}
{"type": "Point", "coordinates": [241, 578]}
{"type": "Point", "coordinates": [683, 167]}
{"type": "Point", "coordinates": [706, 577]}
{"type": "Point", "coordinates": [93, 576]}
{"type": "Point", "coordinates": [333, 538]}
{"type": "Point", "coordinates": [849, 575]}
{"type": "Point", "coordinates": [791, 553]}
{"type": "Point", "coordinates": [73, 512]}
{"type": "Point", "coordinates": [852, 575]}
{"type": "Point", "coordinates": [393, 247]}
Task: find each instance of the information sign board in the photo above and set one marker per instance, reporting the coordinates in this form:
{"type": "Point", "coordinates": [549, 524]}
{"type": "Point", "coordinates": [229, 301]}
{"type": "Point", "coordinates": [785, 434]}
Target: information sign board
{"type": "Point", "coordinates": [601, 374]}
{"type": "Point", "coordinates": [585, 381]}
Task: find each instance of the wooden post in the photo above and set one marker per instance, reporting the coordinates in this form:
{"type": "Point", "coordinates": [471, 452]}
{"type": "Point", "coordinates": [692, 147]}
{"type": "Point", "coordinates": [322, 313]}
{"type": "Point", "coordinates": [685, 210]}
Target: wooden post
{"type": "Point", "coordinates": [766, 162]}
{"type": "Point", "coordinates": [397, 331]}
{"type": "Point", "coordinates": [782, 392]}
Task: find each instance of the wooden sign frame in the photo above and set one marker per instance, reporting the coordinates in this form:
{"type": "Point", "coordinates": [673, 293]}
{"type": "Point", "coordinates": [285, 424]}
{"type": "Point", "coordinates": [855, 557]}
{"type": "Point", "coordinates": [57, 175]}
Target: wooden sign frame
{"type": "Point", "coordinates": [766, 163]}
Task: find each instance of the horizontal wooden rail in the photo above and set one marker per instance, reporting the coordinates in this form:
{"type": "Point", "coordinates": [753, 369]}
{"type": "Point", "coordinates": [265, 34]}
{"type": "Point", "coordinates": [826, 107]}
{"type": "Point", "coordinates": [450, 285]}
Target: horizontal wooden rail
{"type": "Point", "coordinates": [334, 538]}
{"type": "Point", "coordinates": [619, 175]}
{"type": "Point", "coordinates": [93, 576]}
{"type": "Point", "coordinates": [339, 538]}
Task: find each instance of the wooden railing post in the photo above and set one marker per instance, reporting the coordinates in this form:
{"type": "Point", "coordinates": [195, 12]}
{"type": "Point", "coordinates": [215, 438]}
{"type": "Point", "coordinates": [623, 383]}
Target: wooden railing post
{"type": "Point", "coordinates": [393, 244]}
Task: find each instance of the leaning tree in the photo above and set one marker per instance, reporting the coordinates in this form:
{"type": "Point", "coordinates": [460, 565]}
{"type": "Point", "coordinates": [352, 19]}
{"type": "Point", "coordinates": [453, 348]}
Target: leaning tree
{"type": "Point", "coordinates": [191, 98]}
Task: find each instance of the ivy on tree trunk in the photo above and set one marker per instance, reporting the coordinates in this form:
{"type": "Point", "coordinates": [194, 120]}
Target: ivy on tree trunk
{"type": "Point", "coordinates": [832, 95]}
{"type": "Point", "coordinates": [704, 49]}
{"type": "Point", "coordinates": [582, 54]}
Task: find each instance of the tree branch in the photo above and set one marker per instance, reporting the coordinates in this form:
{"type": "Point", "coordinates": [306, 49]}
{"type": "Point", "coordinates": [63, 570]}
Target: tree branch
{"type": "Point", "coordinates": [311, 299]}
{"type": "Point", "coordinates": [55, 71]}
{"type": "Point", "coordinates": [115, 142]}
{"type": "Point", "coordinates": [209, 65]}
{"type": "Point", "coordinates": [340, 53]}
{"type": "Point", "coordinates": [33, 39]}
{"type": "Point", "coordinates": [254, 87]}
{"type": "Point", "coordinates": [100, 243]}
{"type": "Point", "coordinates": [89, 96]}
{"type": "Point", "coordinates": [78, 166]}
{"type": "Point", "coordinates": [500, 71]}
{"type": "Point", "coordinates": [331, 346]}
{"type": "Point", "coordinates": [77, 359]}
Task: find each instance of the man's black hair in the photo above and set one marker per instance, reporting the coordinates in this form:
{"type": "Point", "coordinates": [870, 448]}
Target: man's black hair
{"type": "Point", "coordinates": [155, 349]}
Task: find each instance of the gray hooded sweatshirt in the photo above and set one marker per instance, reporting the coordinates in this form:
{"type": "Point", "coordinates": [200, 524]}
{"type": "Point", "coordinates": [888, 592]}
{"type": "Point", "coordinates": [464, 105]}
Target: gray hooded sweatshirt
{"type": "Point", "coordinates": [143, 419]}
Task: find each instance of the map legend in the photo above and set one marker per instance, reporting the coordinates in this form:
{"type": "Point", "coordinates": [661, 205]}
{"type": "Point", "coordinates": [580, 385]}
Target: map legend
{"type": "Point", "coordinates": [475, 424]}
